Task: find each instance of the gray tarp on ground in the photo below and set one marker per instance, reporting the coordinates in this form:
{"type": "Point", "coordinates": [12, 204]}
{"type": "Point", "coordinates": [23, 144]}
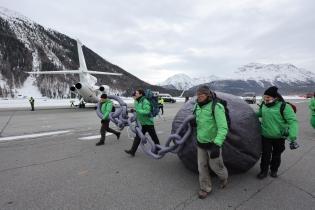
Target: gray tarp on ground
{"type": "Point", "coordinates": [241, 149]}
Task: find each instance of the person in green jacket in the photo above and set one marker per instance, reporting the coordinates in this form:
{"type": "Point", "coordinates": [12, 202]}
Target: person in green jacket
{"type": "Point", "coordinates": [211, 133]}
{"type": "Point", "coordinates": [106, 108]}
{"type": "Point", "coordinates": [143, 111]}
{"type": "Point", "coordinates": [312, 108]}
{"type": "Point", "coordinates": [275, 128]}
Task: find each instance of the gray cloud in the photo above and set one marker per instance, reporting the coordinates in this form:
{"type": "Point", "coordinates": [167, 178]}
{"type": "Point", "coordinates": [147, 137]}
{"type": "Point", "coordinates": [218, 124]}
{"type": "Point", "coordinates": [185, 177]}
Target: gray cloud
{"type": "Point", "coordinates": [199, 37]}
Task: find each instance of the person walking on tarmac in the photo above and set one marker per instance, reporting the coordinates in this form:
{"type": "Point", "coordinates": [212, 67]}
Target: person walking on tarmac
{"type": "Point", "coordinates": [211, 133]}
{"type": "Point", "coordinates": [32, 101]}
{"type": "Point", "coordinates": [275, 129]}
{"type": "Point", "coordinates": [161, 104]}
{"type": "Point", "coordinates": [106, 108]}
{"type": "Point", "coordinates": [143, 110]}
{"type": "Point", "coordinates": [312, 108]}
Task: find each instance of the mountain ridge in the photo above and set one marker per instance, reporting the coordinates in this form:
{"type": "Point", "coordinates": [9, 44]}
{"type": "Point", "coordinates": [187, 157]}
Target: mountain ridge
{"type": "Point", "coordinates": [27, 46]}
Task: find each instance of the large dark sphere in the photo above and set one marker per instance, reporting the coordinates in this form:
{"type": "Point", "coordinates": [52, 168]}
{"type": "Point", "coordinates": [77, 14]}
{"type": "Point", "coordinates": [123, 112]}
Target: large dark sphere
{"type": "Point", "coordinates": [241, 149]}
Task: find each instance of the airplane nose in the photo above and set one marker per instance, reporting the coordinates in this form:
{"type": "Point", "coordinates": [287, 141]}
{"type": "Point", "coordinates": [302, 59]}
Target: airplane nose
{"type": "Point", "coordinates": [78, 86]}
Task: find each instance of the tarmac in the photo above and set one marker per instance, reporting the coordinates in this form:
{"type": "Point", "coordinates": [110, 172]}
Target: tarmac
{"type": "Point", "coordinates": [48, 160]}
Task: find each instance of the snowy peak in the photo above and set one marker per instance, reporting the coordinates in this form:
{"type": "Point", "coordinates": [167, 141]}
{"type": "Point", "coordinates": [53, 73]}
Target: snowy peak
{"type": "Point", "coordinates": [179, 81]}
{"type": "Point", "coordinates": [286, 73]}
{"type": "Point", "coordinates": [184, 82]}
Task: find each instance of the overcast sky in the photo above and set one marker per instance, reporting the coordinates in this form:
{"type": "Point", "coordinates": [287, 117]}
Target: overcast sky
{"type": "Point", "coordinates": [155, 39]}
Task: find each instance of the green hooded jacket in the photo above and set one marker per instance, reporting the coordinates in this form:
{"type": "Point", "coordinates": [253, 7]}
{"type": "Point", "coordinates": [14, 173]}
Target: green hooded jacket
{"type": "Point", "coordinates": [274, 126]}
{"type": "Point", "coordinates": [211, 128]}
{"type": "Point", "coordinates": [107, 107]}
{"type": "Point", "coordinates": [143, 110]}
{"type": "Point", "coordinates": [311, 105]}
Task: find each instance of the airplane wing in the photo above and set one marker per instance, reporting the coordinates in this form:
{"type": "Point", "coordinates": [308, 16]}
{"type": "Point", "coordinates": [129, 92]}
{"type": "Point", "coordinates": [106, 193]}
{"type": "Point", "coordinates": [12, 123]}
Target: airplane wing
{"type": "Point", "coordinates": [104, 73]}
{"type": "Point", "coordinates": [73, 72]}
{"type": "Point", "coordinates": [55, 72]}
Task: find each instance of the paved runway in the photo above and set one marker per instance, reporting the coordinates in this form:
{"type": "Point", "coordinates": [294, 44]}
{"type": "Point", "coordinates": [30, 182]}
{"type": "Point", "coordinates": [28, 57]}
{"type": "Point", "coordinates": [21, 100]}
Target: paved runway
{"type": "Point", "coordinates": [61, 168]}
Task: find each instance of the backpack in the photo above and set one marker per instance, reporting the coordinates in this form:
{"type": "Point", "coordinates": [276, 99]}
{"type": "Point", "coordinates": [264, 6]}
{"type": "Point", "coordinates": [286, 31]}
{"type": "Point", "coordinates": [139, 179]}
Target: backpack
{"type": "Point", "coordinates": [216, 100]}
{"type": "Point", "coordinates": [154, 102]}
{"type": "Point", "coordinates": [282, 107]}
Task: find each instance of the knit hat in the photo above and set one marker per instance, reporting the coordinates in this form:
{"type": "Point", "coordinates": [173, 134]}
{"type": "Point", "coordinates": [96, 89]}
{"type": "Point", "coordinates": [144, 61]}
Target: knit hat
{"type": "Point", "coordinates": [204, 90]}
{"type": "Point", "coordinates": [104, 96]}
{"type": "Point", "coordinates": [272, 91]}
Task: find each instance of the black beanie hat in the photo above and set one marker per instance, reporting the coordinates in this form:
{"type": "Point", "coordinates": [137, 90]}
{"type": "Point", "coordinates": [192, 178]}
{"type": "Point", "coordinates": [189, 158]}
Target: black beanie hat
{"type": "Point", "coordinates": [104, 96]}
{"type": "Point", "coordinates": [272, 91]}
{"type": "Point", "coordinates": [204, 89]}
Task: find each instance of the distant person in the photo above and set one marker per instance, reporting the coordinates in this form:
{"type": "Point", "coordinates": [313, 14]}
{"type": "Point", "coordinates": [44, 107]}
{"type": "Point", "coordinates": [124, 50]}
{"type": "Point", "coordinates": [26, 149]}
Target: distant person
{"type": "Point", "coordinates": [211, 134]}
{"type": "Point", "coordinates": [275, 129]}
{"type": "Point", "coordinates": [161, 104]}
{"type": "Point", "coordinates": [72, 103]}
{"type": "Point", "coordinates": [312, 108]}
{"type": "Point", "coordinates": [106, 108]}
{"type": "Point", "coordinates": [186, 99]}
{"type": "Point", "coordinates": [143, 111]}
{"type": "Point", "coordinates": [32, 101]}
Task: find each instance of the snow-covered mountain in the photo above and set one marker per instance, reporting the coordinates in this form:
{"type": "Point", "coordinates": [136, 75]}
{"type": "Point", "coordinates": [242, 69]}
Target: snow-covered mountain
{"type": "Point", "coordinates": [285, 73]}
{"type": "Point", "coordinates": [179, 81]}
{"type": "Point", "coordinates": [27, 46]}
{"type": "Point", "coordinates": [255, 77]}
{"type": "Point", "coordinates": [184, 82]}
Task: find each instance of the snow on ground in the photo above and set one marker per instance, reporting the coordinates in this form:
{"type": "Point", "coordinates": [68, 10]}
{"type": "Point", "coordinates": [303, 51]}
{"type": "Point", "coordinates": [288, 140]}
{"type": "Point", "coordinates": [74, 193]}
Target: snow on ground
{"type": "Point", "coordinates": [44, 102]}
{"type": "Point", "coordinates": [29, 89]}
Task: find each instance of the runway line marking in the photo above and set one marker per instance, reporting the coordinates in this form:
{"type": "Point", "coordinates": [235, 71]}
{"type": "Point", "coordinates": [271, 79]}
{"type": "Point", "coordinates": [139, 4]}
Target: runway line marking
{"type": "Point", "coordinates": [93, 137]}
{"type": "Point", "coordinates": [10, 138]}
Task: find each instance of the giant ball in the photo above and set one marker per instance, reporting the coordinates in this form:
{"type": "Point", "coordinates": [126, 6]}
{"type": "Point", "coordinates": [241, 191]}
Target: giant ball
{"type": "Point", "coordinates": [242, 147]}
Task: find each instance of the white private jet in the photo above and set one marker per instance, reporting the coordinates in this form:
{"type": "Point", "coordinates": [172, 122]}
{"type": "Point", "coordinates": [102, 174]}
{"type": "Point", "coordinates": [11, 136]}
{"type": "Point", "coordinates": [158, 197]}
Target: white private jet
{"type": "Point", "coordinates": [86, 86]}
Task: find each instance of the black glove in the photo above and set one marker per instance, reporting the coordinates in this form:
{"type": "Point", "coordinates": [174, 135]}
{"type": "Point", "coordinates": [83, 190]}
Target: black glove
{"type": "Point", "coordinates": [215, 151]}
{"type": "Point", "coordinates": [132, 110]}
{"type": "Point", "coordinates": [294, 145]}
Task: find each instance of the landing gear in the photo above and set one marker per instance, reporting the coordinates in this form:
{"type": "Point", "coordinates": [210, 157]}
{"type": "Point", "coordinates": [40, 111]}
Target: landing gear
{"type": "Point", "coordinates": [81, 104]}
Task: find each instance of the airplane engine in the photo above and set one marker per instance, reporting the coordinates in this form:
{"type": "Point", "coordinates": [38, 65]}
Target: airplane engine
{"type": "Point", "coordinates": [72, 88]}
{"type": "Point", "coordinates": [242, 147]}
{"type": "Point", "coordinates": [104, 88]}
{"type": "Point", "coordinates": [78, 86]}
{"type": "Point", "coordinates": [87, 93]}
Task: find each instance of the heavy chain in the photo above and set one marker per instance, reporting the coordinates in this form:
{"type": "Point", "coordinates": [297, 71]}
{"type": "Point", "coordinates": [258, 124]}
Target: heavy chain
{"type": "Point", "coordinates": [173, 143]}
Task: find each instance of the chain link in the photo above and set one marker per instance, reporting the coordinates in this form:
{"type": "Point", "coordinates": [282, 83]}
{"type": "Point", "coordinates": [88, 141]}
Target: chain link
{"type": "Point", "coordinates": [173, 143]}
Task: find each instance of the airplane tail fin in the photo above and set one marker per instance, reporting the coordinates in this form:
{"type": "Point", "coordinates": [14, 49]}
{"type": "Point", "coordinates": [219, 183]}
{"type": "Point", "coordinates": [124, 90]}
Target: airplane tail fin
{"type": "Point", "coordinates": [82, 69]}
{"type": "Point", "coordinates": [82, 63]}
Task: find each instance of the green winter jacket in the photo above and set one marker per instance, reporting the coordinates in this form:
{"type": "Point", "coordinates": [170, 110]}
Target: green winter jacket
{"type": "Point", "coordinates": [211, 128]}
{"type": "Point", "coordinates": [273, 126]}
{"type": "Point", "coordinates": [143, 110]}
{"type": "Point", "coordinates": [311, 105]}
{"type": "Point", "coordinates": [107, 107]}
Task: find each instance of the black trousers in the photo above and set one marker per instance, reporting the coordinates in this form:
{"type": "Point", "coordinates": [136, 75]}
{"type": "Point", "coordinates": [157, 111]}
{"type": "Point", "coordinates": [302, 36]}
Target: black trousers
{"type": "Point", "coordinates": [145, 128]}
{"type": "Point", "coordinates": [271, 154]}
{"type": "Point", "coordinates": [105, 127]}
{"type": "Point", "coordinates": [161, 108]}
{"type": "Point", "coordinates": [32, 106]}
